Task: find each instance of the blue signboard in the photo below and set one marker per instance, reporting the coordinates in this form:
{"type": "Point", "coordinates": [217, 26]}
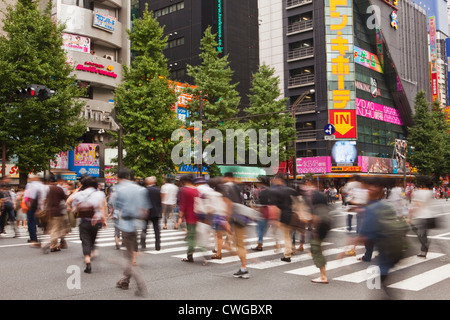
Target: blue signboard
{"type": "Point", "coordinates": [84, 159]}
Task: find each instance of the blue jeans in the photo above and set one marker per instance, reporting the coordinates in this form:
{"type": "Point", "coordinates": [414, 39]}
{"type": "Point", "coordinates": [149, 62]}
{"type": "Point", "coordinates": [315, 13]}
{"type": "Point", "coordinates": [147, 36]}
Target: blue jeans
{"type": "Point", "coordinates": [261, 228]}
{"type": "Point", "coordinates": [32, 228]}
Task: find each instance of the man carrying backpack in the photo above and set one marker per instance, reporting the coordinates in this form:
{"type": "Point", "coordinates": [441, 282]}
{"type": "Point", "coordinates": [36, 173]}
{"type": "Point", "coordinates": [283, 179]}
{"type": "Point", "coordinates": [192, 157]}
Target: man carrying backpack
{"type": "Point", "coordinates": [382, 226]}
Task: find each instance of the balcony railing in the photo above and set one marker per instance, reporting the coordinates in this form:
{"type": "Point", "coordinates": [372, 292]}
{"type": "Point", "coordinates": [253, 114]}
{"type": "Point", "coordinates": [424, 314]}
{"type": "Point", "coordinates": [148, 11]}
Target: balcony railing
{"type": "Point", "coordinates": [303, 136]}
{"type": "Point", "coordinates": [300, 26]}
{"type": "Point", "coordinates": [307, 107]}
{"type": "Point", "coordinates": [300, 81]}
{"type": "Point", "coordinates": [300, 53]}
{"type": "Point", "coordinates": [296, 3]}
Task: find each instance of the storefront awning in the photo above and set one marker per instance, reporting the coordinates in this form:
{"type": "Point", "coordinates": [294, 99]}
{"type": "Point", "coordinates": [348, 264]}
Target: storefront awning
{"type": "Point", "coordinates": [243, 173]}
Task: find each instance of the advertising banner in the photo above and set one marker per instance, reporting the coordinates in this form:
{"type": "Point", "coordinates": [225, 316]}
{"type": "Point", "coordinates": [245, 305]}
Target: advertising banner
{"type": "Point", "coordinates": [400, 149]}
{"type": "Point", "coordinates": [447, 46]}
{"type": "Point", "coordinates": [376, 165]}
{"type": "Point", "coordinates": [344, 153]}
{"type": "Point", "coordinates": [74, 42]}
{"type": "Point", "coordinates": [433, 57]}
{"type": "Point", "coordinates": [313, 165]}
{"type": "Point", "coordinates": [344, 122]}
{"type": "Point", "coordinates": [84, 159]}
{"type": "Point", "coordinates": [376, 111]}
{"type": "Point", "coordinates": [61, 161]}
{"type": "Point", "coordinates": [104, 21]}
{"type": "Point", "coordinates": [340, 67]}
{"type": "Point", "coordinates": [367, 59]}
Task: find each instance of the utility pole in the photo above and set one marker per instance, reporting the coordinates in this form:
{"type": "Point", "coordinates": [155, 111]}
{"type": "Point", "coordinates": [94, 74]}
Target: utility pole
{"type": "Point", "coordinates": [293, 107]}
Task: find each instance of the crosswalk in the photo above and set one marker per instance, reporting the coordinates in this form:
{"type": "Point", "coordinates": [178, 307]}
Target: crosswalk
{"type": "Point", "coordinates": [346, 269]}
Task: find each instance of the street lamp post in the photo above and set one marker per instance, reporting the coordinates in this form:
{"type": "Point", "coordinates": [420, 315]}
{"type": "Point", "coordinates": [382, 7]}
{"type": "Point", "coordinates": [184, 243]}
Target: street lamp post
{"type": "Point", "coordinates": [293, 107]}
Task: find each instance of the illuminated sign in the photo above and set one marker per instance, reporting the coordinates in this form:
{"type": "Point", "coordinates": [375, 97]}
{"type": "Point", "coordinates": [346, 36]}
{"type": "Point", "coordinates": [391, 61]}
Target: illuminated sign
{"type": "Point", "coordinates": [313, 165]}
{"type": "Point", "coordinates": [340, 64]}
{"type": "Point", "coordinates": [372, 110]}
{"type": "Point", "coordinates": [104, 21]}
{"type": "Point", "coordinates": [219, 27]}
{"type": "Point", "coordinates": [346, 169]}
{"type": "Point", "coordinates": [367, 59]}
{"type": "Point", "coordinates": [344, 153]}
{"type": "Point", "coordinates": [95, 68]}
{"type": "Point", "coordinates": [433, 58]}
{"type": "Point", "coordinates": [344, 122]}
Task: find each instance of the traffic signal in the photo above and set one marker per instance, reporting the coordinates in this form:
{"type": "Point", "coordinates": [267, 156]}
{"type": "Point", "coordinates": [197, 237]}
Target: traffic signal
{"type": "Point", "coordinates": [35, 91]}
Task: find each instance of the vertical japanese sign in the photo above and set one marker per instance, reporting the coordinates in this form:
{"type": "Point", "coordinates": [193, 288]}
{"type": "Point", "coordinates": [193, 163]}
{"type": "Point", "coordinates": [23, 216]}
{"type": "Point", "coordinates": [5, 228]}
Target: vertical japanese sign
{"type": "Point", "coordinates": [433, 58]}
{"type": "Point", "coordinates": [340, 67]}
{"type": "Point", "coordinates": [447, 47]}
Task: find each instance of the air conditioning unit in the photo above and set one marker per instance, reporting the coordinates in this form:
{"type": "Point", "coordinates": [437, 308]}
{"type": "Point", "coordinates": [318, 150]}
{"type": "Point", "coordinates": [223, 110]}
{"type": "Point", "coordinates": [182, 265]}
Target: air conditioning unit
{"type": "Point", "coordinates": [109, 57]}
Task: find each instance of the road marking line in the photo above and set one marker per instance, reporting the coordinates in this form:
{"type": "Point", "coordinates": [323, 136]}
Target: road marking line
{"type": "Point", "coordinates": [362, 275]}
{"type": "Point", "coordinates": [424, 280]}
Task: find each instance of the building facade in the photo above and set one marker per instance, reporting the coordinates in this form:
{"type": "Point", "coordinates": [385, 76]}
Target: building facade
{"type": "Point", "coordinates": [97, 45]}
{"type": "Point", "coordinates": [356, 65]}
{"type": "Point", "coordinates": [234, 21]}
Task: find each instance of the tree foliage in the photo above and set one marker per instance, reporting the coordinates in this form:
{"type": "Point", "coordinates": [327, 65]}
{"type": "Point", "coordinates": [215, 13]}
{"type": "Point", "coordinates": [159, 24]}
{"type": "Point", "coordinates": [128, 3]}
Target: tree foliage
{"type": "Point", "coordinates": [429, 139]}
{"type": "Point", "coordinates": [144, 101]}
{"type": "Point", "coordinates": [31, 53]}
{"type": "Point", "coordinates": [268, 111]}
{"type": "Point", "coordinates": [215, 100]}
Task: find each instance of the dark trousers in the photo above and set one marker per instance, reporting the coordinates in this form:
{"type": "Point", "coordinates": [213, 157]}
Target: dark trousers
{"type": "Point", "coordinates": [32, 225]}
{"type": "Point", "coordinates": [369, 250]}
{"type": "Point", "coordinates": [156, 229]}
{"type": "Point", "coordinates": [7, 213]}
{"type": "Point", "coordinates": [88, 234]}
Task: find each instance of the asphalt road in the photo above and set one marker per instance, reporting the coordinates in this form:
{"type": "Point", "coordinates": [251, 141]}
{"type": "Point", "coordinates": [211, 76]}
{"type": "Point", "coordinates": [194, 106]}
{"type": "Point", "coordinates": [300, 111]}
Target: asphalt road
{"type": "Point", "coordinates": [28, 274]}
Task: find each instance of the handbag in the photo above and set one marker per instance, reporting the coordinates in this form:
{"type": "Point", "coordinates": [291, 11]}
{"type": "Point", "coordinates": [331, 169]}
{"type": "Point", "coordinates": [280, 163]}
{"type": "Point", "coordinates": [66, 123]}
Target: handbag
{"type": "Point", "coordinates": [243, 215]}
{"type": "Point", "coordinates": [85, 210]}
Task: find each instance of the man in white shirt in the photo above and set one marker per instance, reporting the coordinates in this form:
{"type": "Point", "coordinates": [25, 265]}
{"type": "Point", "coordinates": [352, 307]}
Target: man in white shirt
{"type": "Point", "coordinates": [169, 195]}
{"type": "Point", "coordinates": [35, 193]}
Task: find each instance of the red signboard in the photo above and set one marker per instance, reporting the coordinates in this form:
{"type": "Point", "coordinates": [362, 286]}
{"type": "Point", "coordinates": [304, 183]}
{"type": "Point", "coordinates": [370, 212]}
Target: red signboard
{"type": "Point", "coordinates": [344, 122]}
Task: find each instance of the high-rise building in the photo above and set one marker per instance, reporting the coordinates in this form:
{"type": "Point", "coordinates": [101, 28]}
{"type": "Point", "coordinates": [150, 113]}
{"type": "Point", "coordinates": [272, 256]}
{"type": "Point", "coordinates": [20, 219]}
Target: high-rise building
{"type": "Point", "coordinates": [355, 64]}
{"type": "Point", "coordinates": [234, 21]}
{"type": "Point", "coordinates": [438, 32]}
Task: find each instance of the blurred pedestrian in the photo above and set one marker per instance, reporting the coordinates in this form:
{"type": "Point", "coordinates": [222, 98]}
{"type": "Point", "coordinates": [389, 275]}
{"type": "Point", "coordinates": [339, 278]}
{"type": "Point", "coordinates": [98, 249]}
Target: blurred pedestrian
{"type": "Point", "coordinates": [7, 213]}
{"type": "Point", "coordinates": [422, 217]}
{"type": "Point", "coordinates": [382, 227]}
{"type": "Point", "coordinates": [220, 215]}
{"type": "Point", "coordinates": [238, 221]}
{"type": "Point", "coordinates": [270, 214]}
{"type": "Point", "coordinates": [90, 206]}
{"type": "Point", "coordinates": [35, 194]}
{"type": "Point", "coordinates": [169, 194]}
{"type": "Point", "coordinates": [155, 213]}
{"type": "Point", "coordinates": [318, 216]}
{"type": "Point", "coordinates": [130, 201]}
{"type": "Point", "coordinates": [58, 222]}
{"type": "Point", "coordinates": [186, 200]}
{"type": "Point", "coordinates": [281, 195]}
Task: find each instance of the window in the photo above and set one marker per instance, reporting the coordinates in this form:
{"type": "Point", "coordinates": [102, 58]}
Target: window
{"type": "Point", "coordinates": [169, 9]}
{"type": "Point", "coordinates": [175, 43]}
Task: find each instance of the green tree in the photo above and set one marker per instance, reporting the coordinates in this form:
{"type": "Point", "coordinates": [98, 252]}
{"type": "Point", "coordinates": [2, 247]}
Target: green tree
{"type": "Point", "coordinates": [144, 101]}
{"type": "Point", "coordinates": [212, 79]}
{"type": "Point", "coordinates": [268, 111]}
{"type": "Point", "coordinates": [31, 53]}
{"type": "Point", "coordinates": [215, 100]}
{"type": "Point", "coordinates": [428, 139]}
